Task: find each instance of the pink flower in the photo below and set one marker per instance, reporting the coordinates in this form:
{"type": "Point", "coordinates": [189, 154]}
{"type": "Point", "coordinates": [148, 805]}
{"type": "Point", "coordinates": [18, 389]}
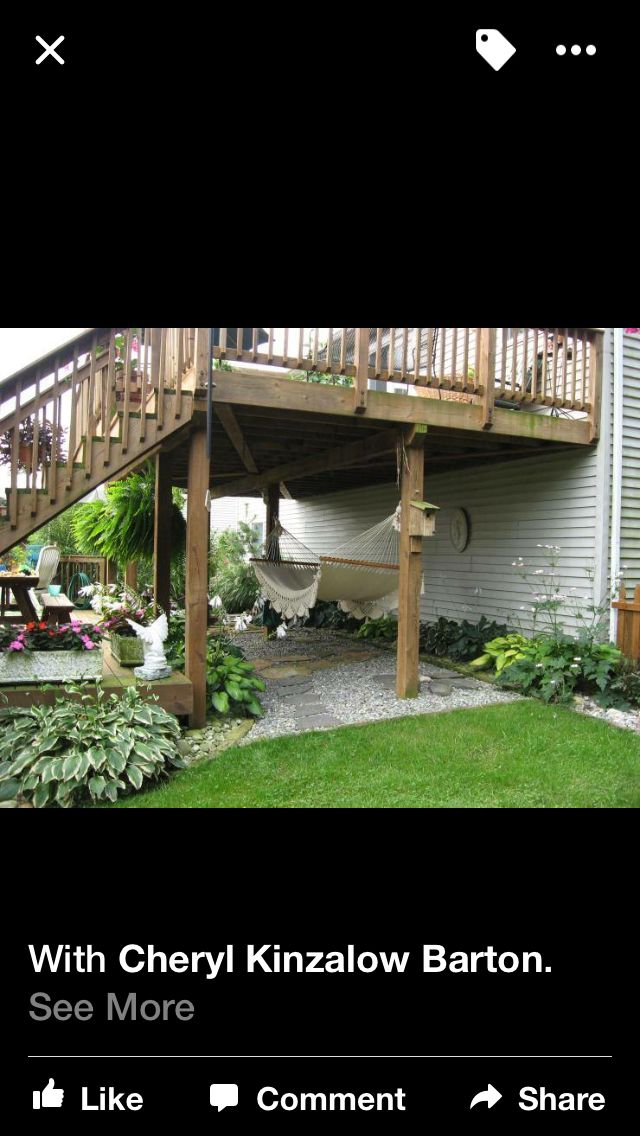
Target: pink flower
{"type": "Point", "coordinates": [87, 642]}
{"type": "Point", "coordinates": [632, 329]}
{"type": "Point", "coordinates": [17, 645]}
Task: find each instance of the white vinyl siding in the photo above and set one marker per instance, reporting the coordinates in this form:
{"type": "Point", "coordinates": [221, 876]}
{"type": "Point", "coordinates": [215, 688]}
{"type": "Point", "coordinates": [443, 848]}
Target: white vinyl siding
{"type": "Point", "coordinates": [512, 507]}
{"type": "Point", "coordinates": [227, 512]}
{"type": "Point", "coordinates": [630, 520]}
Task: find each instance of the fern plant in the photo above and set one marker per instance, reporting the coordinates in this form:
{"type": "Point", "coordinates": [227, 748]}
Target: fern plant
{"type": "Point", "coordinates": [120, 526]}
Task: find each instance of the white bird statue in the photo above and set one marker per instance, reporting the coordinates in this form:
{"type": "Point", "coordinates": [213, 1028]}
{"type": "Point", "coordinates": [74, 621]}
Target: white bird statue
{"type": "Point", "coordinates": [153, 636]}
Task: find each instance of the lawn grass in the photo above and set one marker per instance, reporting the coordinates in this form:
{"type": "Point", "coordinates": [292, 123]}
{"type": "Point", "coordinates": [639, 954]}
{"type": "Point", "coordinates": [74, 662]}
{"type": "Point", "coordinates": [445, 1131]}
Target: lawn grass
{"type": "Point", "coordinates": [523, 755]}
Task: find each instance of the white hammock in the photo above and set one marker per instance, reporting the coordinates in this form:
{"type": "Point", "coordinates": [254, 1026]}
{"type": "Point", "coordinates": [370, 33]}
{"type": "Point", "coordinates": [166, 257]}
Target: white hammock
{"type": "Point", "coordinates": [360, 575]}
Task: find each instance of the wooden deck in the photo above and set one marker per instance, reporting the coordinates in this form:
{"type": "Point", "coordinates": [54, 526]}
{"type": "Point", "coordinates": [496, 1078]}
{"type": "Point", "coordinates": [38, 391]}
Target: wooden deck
{"type": "Point", "coordinates": [175, 693]}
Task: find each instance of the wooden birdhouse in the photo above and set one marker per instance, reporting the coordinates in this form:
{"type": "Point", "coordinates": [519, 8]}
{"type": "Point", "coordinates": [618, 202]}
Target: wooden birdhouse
{"type": "Point", "coordinates": [422, 518]}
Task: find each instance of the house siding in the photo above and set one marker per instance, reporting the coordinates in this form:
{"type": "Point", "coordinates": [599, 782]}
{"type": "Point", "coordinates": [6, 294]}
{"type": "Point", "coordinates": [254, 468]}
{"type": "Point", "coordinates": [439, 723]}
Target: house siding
{"type": "Point", "coordinates": [513, 507]}
{"type": "Point", "coordinates": [630, 518]}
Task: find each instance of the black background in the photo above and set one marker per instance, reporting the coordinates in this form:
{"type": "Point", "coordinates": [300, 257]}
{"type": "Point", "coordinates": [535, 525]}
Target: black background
{"type": "Point", "coordinates": [377, 889]}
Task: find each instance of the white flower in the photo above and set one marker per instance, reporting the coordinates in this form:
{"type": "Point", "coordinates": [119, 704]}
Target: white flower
{"type": "Point", "coordinates": [539, 664]}
{"type": "Point", "coordinates": [577, 658]}
{"type": "Point", "coordinates": [241, 623]}
{"type": "Point", "coordinates": [215, 602]}
{"type": "Point", "coordinates": [281, 632]}
{"type": "Point", "coordinates": [88, 590]}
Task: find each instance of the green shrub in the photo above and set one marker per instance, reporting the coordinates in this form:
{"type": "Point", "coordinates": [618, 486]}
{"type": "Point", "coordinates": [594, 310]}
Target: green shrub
{"type": "Point", "coordinates": [436, 638]}
{"type": "Point", "coordinates": [624, 688]}
{"type": "Point", "coordinates": [555, 667]}
{"type": "Point", "coordinates": [233, 684]}
{"type": "Point", "coordinates": [327, 614]}
{"type": "Point", "coordinates": [86, 750]}
{"type": "Point", "coordinates": [503, 652]}
{"type": "Point", "coordinates": [459, 641]}
{"type": "Point", "coordinates": [232, 575]}
{"type": "Point", "coordinates": [383, 628]}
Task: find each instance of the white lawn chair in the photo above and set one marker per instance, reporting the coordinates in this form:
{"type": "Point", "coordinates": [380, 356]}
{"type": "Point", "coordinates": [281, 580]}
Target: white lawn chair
{"type": "Point", "coordinates": [45, 570]}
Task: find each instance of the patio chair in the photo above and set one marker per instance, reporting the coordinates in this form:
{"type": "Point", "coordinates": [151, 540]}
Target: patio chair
{"type": "Point", "coordinates": [46, 568]}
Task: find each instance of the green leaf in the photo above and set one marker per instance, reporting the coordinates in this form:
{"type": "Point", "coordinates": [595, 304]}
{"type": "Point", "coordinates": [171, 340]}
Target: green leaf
{"type": "Point", "coordinates": [143, 714]}
{"type": "Point", "coordinates": [83, 767]}
{"type": "Point", "coordinates": [96, 756]}
{"type": "Point", "coordinates": [254, 707]}
{"type": "Point", "coordinates": [41, 796]}
{"type": "Point", "coordinates": [116, 759]}
{"type": "Point", "coordinates": [22, 761]}
{"type": "Point", "coordinates": [233, 690]}
{"type": "Point", "coordinates": [221, 702]}
{"type": "Point", "coordinates": [9, 789]}
{"type": "Point", "coordinates": [70, 765]}
{"type": "Point", "coordinates": [111, 791]}
{"type": "Point", "coordinates": [135, 776]}
{"type": "Point", "coordinates": [97, 785]}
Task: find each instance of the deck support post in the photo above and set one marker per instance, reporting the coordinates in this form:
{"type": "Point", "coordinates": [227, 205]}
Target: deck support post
{"type": "Point", "coordinates": [196, 598]}
{"type": "Point", "coordinates": [410, 574]}
{"type": "Point", "coordinates": [272, 501]}
{"type": "Point", "coordinates": [131, 575]}
{"type": "Point", "coordinates": [162, 534]}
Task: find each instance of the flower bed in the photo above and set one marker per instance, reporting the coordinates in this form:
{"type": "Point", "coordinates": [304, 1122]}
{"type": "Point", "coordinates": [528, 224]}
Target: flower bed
{"type": "Point", "coordinates": [39, 653]}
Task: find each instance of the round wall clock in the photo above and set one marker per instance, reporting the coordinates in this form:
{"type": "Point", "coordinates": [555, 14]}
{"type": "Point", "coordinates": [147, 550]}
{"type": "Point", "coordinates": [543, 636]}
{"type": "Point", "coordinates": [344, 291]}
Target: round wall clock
{"type": "Point", "coordinates": [459, 530]}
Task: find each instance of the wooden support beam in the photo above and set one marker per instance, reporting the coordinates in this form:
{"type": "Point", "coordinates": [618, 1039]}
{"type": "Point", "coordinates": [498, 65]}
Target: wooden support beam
{"type": "Point", "coordinates": [197, 576]}
{"type": "Point", "coordinates": [162, 534]}
{"type": "Point", "coordinates": [285, 492]}
{"type": "Point", "coordinates": [272, 501]}
{"type": "Point", "coordinates": [411, 489]}
{"type": "Point", "coordinates": [338, 457]}
{"type": "Point", "coordinates": [131, 575]}
{"type": "Point", "coordinates": [243, 389]}
{"type": "Point", "coordinates": [236, 437]}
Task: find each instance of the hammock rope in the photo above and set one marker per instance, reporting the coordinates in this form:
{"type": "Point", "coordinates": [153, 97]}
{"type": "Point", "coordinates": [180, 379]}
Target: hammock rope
{"type": "Point", "coordinates": [360, 575]}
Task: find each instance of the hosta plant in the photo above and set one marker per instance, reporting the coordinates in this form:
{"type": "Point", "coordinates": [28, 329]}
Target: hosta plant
{"type": "Point", "coordinates": [384, 628]}
{"type": "Point", "coordinates": [233, 685]}
{"type": "Point", "coordinates": [503, 652]}
{"type": "Point", "coordinates": [556, 667]}
{"type": "Point", "coordinates": [89, 749]}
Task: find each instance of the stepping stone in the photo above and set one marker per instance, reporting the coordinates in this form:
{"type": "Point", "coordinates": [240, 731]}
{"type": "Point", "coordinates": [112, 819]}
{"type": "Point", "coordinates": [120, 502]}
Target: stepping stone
{"type": "Point", "coordinates": [289, 682]}
{"type": "Point", "coordinates": [464, 683]}
{"type": "Point", "coordinates": [307, 698]}
{"type": "Point", "coordinates": [442, 688]}
{"type": "Point", "coordinates": [295, 691]}
{"type": "Point", "coordinates": [387, 682]}
{"type": "Point", "coordinates": [316, 722]}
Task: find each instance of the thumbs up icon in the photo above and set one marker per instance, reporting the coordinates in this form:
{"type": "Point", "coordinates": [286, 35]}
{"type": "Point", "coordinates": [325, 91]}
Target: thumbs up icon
{"type": "Point", "coordinates": [49, 1097]}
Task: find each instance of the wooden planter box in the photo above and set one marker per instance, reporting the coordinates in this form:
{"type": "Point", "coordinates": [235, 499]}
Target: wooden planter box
{"type": "Point", "coordinates": [126, 650]}
{"type": "Point", "coordinates": [49, 666]}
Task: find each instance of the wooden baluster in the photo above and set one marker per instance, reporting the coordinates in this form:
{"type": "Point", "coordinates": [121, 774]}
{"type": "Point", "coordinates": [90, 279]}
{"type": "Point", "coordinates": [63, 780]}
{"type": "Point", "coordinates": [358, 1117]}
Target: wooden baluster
{"type": "Point", "coordinates": [343, 350]}
{"type": "Point", "coordinates": [534, 367]}
{"type": "Point", "coordinates": [330, 350]}
{"type": "Point", "coordinates": [72, 418]}
{"type": "Point", "coordinates": [239, 339]}
{"type": "Point", "coordinates": [300, 345]}
{"type": "Point", "coordinates": [417, 345]}
{"type": "Point", "coordinates": [465, 359]}
{"type": "Point", "coordinates": [127, 391]}
{"type": "Point", "coordinates": [179, 373]}
{"type": "Point", "coordinates": [525, 357]}
{"type": "Point", "coordinates": [574, 364]}
{"type": "Point", "coordinates": [391, 361]}
{"type": "Point", "coordinates": [454, 356]}
{"type": "Point", "coordinates": [270, 347]}
{"type": "Point", "coordinates": [314, 357]}
{"type": "Point", "coordinates": [254, 344]}
{"type": "Point", "coordinates": [442, 381]}
{"type": "Point", "coordinates": [285, 347]}
{"type": "Point", "coordinates": [15, 457]}
{"type": "Point", "coordinates": [502, 390]}
{"type": "Point", "coordinates": [514, 361]}
{"type": "Point", "coordinates": [545, 364]}
{"type": "Point", "coordinates": [583, 379]}
{"type": "Point", "coordinates": [162, 378]}
{"type": "Point", "coordinates": [564, 366]}
{"type": "Point", "coordinates": [34, 451]}
{"type": "Point", "coordinates": [477, 359]}
{"type": "Point", "coordinates": [55, 436]}
{"type": "Point", "coordinates": [554, 368]}
{"type": "Point", "coordinates": [144, 390]}
{"type": "Point", "coordinates": [223, 342]}
{"type": "Point", "coordinates": [405, 341]}
{"type": "Point", "coordinates": [429, 356]}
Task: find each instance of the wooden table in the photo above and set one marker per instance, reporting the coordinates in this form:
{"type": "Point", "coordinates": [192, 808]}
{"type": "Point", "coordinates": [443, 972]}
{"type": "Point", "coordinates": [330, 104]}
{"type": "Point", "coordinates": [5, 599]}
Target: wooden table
{"type": "Point", "coordinates": [20, 586]}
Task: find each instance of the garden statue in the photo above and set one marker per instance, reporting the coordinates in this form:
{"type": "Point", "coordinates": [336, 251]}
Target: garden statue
{"type": "Point", "coordinates": [153, 636]}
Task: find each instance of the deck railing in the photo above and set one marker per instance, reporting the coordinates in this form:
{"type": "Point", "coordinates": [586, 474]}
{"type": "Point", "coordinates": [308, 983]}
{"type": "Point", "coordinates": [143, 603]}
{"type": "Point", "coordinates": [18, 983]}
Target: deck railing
{"type": "Point", "coordinates": [52, 412]}
{"type": "Point", "coordinates": [95, 567]}
{"type": "Point", "coordinates": [531, 367]}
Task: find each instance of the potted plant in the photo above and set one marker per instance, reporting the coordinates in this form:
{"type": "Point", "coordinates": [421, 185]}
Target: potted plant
{"type": "Point", "coordinates": [46, 433]}
{"type": "Point", "coordinates": [36, 652]}
{"type": "Point", "coordinates": [118, 608]}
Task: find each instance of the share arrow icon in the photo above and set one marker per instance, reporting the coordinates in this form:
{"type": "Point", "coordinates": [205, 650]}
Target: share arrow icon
{"type": "Point", "coordinates": [490, 1095]}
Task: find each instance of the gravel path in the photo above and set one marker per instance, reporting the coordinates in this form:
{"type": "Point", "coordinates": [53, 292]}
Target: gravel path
{"type": "Point", "coordinates": [351, 691]}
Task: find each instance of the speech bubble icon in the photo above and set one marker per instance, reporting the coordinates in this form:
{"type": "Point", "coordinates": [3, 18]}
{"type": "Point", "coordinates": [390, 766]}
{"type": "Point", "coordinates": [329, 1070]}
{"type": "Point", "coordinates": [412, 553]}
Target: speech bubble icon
{"type": "Point", "coordinates": [223, 1096]}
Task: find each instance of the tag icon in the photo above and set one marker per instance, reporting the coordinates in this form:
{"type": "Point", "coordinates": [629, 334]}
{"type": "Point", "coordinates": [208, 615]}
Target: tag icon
{"type": "Point", "coordinates": [494, 48]}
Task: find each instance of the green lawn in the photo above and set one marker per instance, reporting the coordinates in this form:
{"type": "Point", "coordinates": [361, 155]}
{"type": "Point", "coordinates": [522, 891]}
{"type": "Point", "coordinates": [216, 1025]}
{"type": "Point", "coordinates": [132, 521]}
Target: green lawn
{"type": "Point", "coordinates": [519, 756]}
